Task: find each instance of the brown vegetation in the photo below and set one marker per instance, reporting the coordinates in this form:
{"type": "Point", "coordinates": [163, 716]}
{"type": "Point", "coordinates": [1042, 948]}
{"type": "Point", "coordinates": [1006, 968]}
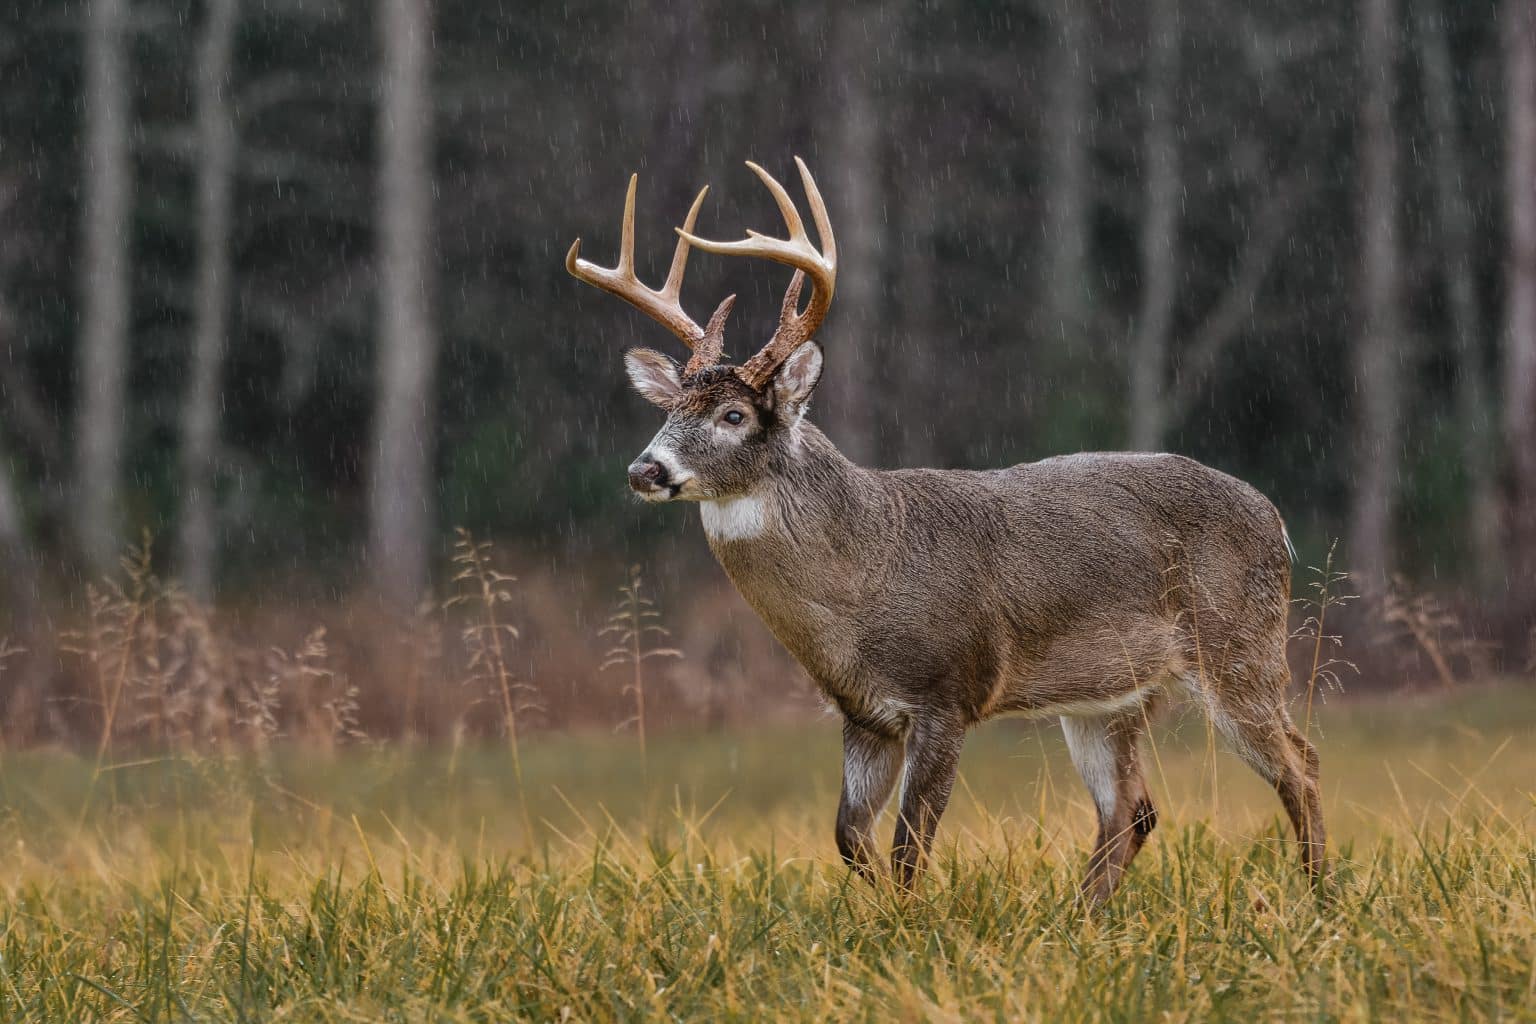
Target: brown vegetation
{"type": "Point", "coordinates": [139, 663]}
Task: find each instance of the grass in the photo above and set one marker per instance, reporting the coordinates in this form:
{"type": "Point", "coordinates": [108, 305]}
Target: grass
{"type": "Point", "coordinates": [405, 883]}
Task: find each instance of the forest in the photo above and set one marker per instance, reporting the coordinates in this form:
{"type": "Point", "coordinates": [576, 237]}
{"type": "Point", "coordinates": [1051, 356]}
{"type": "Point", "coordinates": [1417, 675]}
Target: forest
{"type": "Point", "coordinates": [343, 677]}
{"type": "Point", "coordinates": [283, 303]}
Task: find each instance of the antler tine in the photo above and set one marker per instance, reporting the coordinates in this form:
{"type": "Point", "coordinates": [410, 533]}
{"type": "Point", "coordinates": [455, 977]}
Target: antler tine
{"type": "Point", "coordinates": [660, 305]}
{"type": "Point", "coordinates": [627, 231]}
{"type": "Point", "coordinates": [791, 304]}
{"type": "Point", "coordinates": [819, 214]}
{"type": "Point", "coordinates": [796, 251]}
{"type": "Point", "coordinates": [707, 352]}
{"type": "Point", "coordinates": [674, 286]}
{"type": "Point", "coordinates": [786, 206]}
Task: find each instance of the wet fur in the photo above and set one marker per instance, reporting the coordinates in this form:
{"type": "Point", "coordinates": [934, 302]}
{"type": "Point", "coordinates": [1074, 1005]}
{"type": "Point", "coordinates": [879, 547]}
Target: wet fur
{"type": "Point", "coordinates": [925, 601]}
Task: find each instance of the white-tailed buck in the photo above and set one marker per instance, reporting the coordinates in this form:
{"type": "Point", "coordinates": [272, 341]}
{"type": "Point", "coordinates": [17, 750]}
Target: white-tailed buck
{"type": "Point", "coordinates": [1092, 587]}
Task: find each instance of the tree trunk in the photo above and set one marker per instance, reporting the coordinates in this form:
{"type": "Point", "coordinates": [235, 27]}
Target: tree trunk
{"type": "Point", "coordinates": [108, 185]}
{"type": "Point", "coordinates": [912, 440]}
{"type": "Point", "coordinates": [1159, 232]}
{"type": "Point", "coordinates": [1454, 214]}
{"type": "Point", "coordinates": [1520, 311]}
{"type": "Point", "coordinates": [1377, 356]}
{"type": "Point", "coordinates": [857, 168]}
{"type": "Point", "coordinates": [24, 675]}
{"type": "Point", "coordinates": [15, 553]}
{"type": "Point", "coordinates": [197, 543]}
{"type": "Point", "coordinates": [400, 487]}
{"type": "Point", "coordinates": [912, 437]}
{"type": "Point", "coordinates": [1065, 299]}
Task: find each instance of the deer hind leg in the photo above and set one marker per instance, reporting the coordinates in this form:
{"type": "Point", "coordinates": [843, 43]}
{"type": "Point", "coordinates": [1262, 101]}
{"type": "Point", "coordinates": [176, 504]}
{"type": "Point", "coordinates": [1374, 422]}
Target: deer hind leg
{"type": "Point", "coordinates": [871, 765]}
{"type": "Point", "coordinates": [1143, 821]}
{"type": "Point", "coordinates": [1264, 736]}
{"type": "Point", "coordinates": [1104, 749]}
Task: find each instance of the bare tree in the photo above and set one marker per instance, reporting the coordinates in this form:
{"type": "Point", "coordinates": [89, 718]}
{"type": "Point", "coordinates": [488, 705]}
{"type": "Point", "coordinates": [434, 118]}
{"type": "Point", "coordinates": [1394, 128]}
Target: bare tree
{"type": "Point", "coordinates": [197, 541]}
{"type": "Point", "coordinates": [1458, 270]}
{"type": "Point", "coordinates": [1159, 231]}
{"type": "Point", "coordinates": [400, 488]}
{"type": "Point", "coordinates": [1201, 352]}
{"type": "Point", "coordinates": [15, 553]}
{"type": "Point", "coordinates": [912, 440]}
{"type": "Point", "coordinates": [916, 327]}
{"type": "Point", "coordinates": [1165, 380]}
{"type": "Point", "coordinates": [104, 287]}
{"type": "Point", "coordinates": [1520, 308]}
{"type": "Point", "coordinates": [31, 421]}
{"type": "Point", "coordinates": [25, 645]}
{"type": "Point", "coordinates": [23, 634]}
{"type": "Point", "coordinates": [860, 207]}
{"type": "Point", "coordinates": [1377, 356]}
{"type": "Point", "coordinates": [1065, 299]}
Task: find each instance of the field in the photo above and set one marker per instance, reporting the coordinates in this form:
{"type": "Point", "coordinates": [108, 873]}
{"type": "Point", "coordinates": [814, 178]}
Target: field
{"type": "Point", "coordinates": [399, 883]}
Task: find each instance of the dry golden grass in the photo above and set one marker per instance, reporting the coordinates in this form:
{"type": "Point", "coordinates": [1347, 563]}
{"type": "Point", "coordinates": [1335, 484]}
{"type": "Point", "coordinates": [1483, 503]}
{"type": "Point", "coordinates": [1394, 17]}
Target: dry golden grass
{"type": "Point", "coordinates": [229, 844]}
{"type": "Point", "coordinates": [397, 883]}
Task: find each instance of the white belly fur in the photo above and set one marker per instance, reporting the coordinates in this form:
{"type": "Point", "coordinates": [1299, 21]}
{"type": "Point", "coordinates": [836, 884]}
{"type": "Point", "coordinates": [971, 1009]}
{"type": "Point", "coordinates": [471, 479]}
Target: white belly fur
{"type": "Point", "coordinates": [1086, 708]}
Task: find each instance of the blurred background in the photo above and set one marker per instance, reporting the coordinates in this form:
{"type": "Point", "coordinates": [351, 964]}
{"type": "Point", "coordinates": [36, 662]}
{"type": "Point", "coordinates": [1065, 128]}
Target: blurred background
{"type": "Point", "coordinates": [293, 381]}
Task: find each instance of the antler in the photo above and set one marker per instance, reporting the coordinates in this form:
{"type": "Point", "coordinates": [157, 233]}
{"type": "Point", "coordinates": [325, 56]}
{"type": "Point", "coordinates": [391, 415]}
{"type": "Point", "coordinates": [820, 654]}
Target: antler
{"type": "Point", "coordinates": [795, 251]}
{"type": "Point", "coordinates": [662, 306]}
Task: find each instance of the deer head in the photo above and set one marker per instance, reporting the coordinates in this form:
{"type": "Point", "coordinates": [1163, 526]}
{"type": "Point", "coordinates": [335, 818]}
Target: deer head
{"type": "Point", "coordinates": [726, 425]}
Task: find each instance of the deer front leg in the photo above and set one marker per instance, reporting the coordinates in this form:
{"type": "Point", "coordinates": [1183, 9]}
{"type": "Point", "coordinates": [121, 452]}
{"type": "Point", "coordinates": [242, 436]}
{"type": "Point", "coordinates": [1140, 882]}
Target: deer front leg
{"type": "Point", "coordinates": [871, 762]}
{"type": "Point", "coordinates": [933, 756]}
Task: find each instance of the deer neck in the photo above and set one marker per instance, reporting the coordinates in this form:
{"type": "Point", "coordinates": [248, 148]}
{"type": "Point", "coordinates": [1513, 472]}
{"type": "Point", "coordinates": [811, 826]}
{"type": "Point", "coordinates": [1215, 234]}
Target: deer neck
{"type": "Point", "coordinates": [813, 491]}
{"type": "Point", "coordinates": [801, 534]}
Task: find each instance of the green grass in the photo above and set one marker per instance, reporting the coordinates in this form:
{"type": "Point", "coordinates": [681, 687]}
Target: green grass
{"type": "Point", "coordinates": [400, 884]}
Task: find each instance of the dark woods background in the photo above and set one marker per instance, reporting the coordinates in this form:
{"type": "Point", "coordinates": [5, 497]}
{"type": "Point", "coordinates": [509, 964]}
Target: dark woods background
{"type": "Point", "coordinates": [282, 283]}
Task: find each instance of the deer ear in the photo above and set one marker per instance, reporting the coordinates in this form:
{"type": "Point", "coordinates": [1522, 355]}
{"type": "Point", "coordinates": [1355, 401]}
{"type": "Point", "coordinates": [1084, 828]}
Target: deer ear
{"type": "Point", "coordinates": [797, 377]}
{"type": "Point", "coordinates": [654, 376]}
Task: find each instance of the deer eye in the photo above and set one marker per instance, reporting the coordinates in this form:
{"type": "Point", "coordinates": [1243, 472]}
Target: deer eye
{"type": "Point", "coordinates": [734, 417]}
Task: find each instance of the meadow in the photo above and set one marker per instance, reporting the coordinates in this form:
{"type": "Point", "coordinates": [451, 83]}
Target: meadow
{"type": "Point", "coordinates": [394, 882]}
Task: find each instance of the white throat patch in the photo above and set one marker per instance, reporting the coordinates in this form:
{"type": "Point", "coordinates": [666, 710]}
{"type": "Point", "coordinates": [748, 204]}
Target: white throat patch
{"type": "Point", "coordinates": [734, 518]}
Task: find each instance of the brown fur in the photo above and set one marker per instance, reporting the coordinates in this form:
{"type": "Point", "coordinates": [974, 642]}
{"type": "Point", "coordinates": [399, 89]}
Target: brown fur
{"type": "Point", "coordinates": [925, 601]}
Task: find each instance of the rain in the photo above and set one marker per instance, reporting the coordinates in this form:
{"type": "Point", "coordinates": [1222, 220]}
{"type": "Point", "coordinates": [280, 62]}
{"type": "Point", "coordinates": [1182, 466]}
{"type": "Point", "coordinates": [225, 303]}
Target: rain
{"type": "Point", "coordinates": [310, 443]}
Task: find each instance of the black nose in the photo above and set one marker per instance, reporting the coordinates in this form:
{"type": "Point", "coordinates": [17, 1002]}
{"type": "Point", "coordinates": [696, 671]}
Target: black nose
{"type": "Point", "coordinates": [646, 474]}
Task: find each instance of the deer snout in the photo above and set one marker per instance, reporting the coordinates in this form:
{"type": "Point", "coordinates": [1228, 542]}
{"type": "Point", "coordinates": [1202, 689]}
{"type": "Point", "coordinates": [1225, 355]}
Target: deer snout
{"type": "Point", "coordinates": [647, 475]}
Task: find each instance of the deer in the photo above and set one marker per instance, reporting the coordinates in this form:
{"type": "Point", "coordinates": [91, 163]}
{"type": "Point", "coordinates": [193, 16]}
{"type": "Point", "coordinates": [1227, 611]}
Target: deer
{"type": "Point", "coordinates": [1095, 588]}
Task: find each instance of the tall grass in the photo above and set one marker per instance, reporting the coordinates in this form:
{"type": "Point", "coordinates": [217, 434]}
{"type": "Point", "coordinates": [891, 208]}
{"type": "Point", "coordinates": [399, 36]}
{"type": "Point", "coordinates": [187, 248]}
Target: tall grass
{"type": "Point", "coordinates": [1437, 926]}
{"type": "Point", "coordinates": [1324, 593]}
{"type": "Point", "coordinates": [375, 884]}
{"type": "Point", "coordinates": [485, 591]}
{"type": "Point", "coordinates": [635, 631]}
{"type": "Point", "coordinates": [231, 845]}
{"type": "Point", "coordinates": [133, 663]}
